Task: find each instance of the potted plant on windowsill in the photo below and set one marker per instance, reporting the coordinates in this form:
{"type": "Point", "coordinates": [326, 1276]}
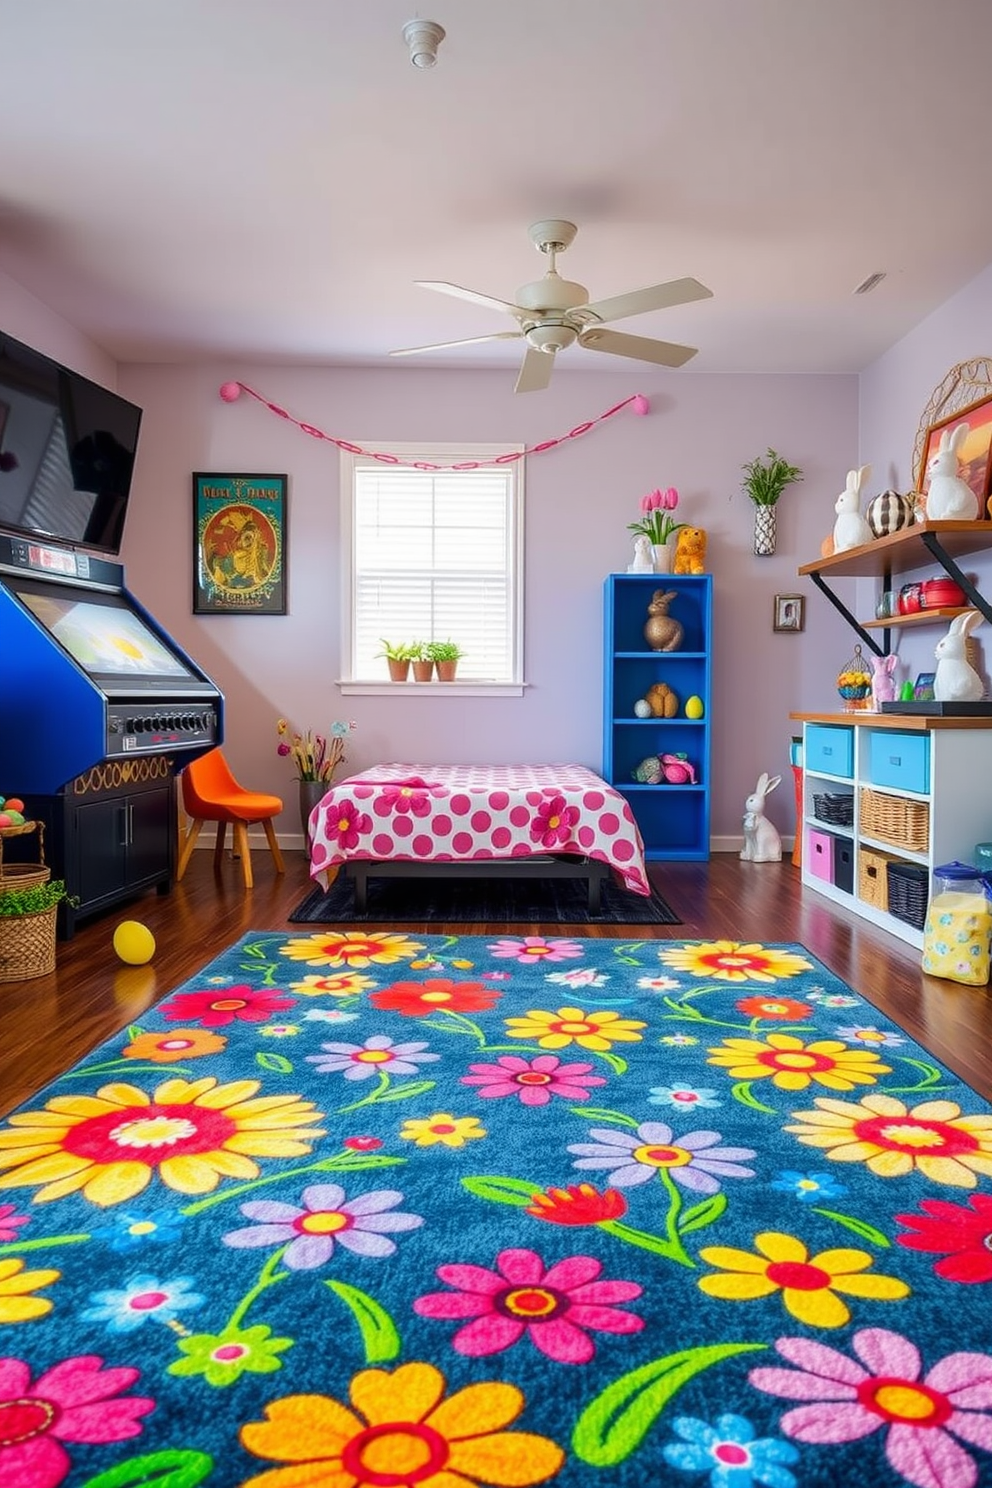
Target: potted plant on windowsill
{"type": "Point", "coordinates": [422, 661]}
{"type": "Point", "coordinates": [764, 481]}
{"type": "Point", "coordinates": [445, 655]}
{"type": "Point", "coordinates": [398, 658]}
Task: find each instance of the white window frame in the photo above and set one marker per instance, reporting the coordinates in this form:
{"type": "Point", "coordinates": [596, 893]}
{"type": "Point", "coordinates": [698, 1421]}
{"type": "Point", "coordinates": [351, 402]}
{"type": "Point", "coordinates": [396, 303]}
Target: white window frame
{"type": "Point", "coordinates": [444, 455]}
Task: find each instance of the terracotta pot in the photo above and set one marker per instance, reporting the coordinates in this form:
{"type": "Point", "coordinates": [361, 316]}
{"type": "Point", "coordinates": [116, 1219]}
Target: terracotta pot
{"type": "Point", "coordinates": [398, 670]}
{"type": "Point", "coordinates": [423, 671]}
{"type": "Point", "coordinates": [446, 670]}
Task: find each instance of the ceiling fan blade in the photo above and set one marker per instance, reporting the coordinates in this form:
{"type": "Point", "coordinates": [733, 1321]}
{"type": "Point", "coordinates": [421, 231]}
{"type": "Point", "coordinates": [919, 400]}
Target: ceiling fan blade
{"type": "Point", "coordinates": [443, 287]}
{"type": "Point", "coordinates": [641, 348]}
{"type": "Point", "coordinates": [467, 341]}
{"type": "Point", "coordinates": [655, 297]}
{"type": "Point", "coordinates": [535, 371]}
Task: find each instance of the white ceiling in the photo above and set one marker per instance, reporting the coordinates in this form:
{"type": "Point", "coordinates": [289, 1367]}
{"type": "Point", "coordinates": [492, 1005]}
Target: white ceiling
{"type": "Point", "coordinates": [200, 179]}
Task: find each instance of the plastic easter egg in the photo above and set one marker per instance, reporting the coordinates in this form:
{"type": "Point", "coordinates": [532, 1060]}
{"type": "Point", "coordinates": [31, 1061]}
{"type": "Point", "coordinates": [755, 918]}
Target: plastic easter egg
{"type": "Point", "coordinates": [694, 707]}
{"type": "Point", "coordinates": [12, 803]}
{"type": "Point", "coordinates": [16, 817]}
{"type": "Point", "coordinates": [5, 820]}
{"type": "Point", "coordinates": [134, 943]}
{"type": "Point", "coordinates": [642, 708]}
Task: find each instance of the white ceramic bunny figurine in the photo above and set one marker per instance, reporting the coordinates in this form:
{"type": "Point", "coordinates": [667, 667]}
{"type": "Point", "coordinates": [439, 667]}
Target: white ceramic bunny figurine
{"type": "Point", "coordinates": [883, 686]}
{"type": "Point", "coordinates": [850, 528]}
{"type": "Point", "coordinates": [949, 498]}
{"type": "Point", "coordinates": [955, 680]}
{"type": "Point", "coordinates": [643, 556]}
{"type": "Point", "coordinates": [762, 844]}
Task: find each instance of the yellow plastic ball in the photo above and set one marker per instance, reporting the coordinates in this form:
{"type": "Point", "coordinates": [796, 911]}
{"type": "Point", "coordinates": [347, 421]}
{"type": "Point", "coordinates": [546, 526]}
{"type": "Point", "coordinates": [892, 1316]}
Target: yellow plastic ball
{"type": "Point", "coordinates": [134, 942]}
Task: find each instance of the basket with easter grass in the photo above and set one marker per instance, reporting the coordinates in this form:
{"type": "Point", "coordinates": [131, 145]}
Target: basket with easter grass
{"type": "Point", "coordinates": [27, 929]}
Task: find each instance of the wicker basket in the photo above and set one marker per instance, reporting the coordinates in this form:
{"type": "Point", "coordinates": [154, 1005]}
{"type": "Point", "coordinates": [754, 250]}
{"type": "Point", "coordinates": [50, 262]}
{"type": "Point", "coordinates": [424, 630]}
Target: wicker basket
{"type": "Point", "coordinates": [27, 945]}
{"type": "Point", "coordinates": [873, 880]}
{"type": "Point", "coordinates": [836, 808]}
{"type": "Point", "coordinates": [895, 819]}
{"type": "Point", "coordinates": [909, 890]}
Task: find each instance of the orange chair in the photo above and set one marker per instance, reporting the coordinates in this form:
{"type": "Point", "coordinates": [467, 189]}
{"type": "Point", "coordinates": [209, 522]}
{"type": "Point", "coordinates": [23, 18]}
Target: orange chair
{"type": "Point", "coordinates": [211, 793]}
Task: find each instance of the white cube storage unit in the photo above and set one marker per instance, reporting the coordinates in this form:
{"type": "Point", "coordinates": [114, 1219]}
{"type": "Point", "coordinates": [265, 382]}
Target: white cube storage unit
{"type": "Point", "coordinates": [920, 794]}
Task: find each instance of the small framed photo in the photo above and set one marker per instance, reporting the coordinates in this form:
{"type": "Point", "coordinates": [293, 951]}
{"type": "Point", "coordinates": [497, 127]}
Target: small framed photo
{"type": "Point", "coordinates": [789, 613]}
{"type": "Point", "coordinates": [239, 544]}
{"type": "Point", "coordinates": [923, 688]}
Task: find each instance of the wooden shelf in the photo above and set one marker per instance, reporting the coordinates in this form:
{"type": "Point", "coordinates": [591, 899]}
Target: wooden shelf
{"type": "Point", "coordinates": [905, 550]}
{"type": "Point", "coordinates": [917, 617]}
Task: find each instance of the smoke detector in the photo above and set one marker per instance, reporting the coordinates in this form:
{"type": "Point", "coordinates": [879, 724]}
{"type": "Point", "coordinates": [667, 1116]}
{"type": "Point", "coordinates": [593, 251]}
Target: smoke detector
{"type": "Point", "coordinates": [423, 38]}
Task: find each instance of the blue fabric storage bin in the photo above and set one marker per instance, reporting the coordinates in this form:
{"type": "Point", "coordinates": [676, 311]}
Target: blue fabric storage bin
{"type": "Point", "coordinates": [899, 760]}
{"type": "Point", "coordinates": [830, 750]}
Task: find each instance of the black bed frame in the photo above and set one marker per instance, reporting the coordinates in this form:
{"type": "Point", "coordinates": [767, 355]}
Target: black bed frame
{"type": "Point", "coordinates": [542, 866]}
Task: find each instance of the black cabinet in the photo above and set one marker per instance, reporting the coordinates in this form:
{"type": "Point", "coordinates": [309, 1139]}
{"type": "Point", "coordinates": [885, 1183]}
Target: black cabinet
{"type": "Point", "coordinates": [111, 834]}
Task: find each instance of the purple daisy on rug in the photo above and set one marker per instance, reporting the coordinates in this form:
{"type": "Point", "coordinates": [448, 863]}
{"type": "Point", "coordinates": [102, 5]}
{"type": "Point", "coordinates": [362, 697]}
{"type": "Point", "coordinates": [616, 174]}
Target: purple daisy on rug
{"type": "Point", "coordinates": [379, 1052]}
{"type": "Point", "coordinates": [554, 1306]}
{"type": "Point", "coordinates": [847, 1400]}
{"type": "Point", "coordinates": [694, 1161]}
{"type": "Point", "coordinates": [325, 1218]}
{"type": "Point", "coordinates": [534, 948]}
{"type": "Point", "coordinates": [533, 1081]}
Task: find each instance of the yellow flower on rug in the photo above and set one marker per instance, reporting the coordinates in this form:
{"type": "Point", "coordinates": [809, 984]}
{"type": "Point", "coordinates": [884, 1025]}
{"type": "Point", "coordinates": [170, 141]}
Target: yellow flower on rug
{"type": "Point", "coordinates": [338, 984]}
{"type": "Point", "coordinates": [192, 1132]}
{"type": "Point", "coordinates": [730, 961]}
{"type": "Point", "coordinates": [351, 948]}
{"type": "Point", "coordinates": [934, 1137]}
{"type": "Point", "coordinates": [792, 1065]}
{"type": "Point", "coordinates": [808, 1283]}
{"type": "Point", "coordinates": [403, 1431]}
{"type": "Point", "coordinates": [16, 1305]}
{"type": "Point", "coordinates": [442, 1128]}
{"type": "Point", "coordinates": [570, 1025]}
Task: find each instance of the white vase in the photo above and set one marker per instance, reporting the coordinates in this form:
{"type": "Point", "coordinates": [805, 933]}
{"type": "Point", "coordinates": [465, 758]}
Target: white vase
{"type": "Point", "coordinates": [663, 555]}
{"type": "Point", "coordinates": [764, 530]}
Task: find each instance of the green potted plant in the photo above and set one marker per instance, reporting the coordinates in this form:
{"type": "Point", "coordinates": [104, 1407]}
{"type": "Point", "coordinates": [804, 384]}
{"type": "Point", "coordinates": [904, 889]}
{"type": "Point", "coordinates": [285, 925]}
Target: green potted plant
{"type": "Point", "coordinates": [764, 481]}
{"type": "Point", "coordinates": [27, 929]}
{"type": "Point", "coordinates": [398, 658]}
{"type": "Point", "coordinates": [421, 661]}
{"type": "Point", "coordinates": [445, 655]}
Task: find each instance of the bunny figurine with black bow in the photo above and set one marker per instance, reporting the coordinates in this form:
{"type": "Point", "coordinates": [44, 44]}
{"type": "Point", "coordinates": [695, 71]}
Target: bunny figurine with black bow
{"type": "Point", "coordinates": [762, 844]}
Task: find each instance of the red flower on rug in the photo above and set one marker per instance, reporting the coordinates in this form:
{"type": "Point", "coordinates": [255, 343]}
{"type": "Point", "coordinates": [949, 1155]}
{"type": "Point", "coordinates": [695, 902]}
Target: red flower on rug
{"type": "Point", "coordinates": [577, 1204]}
{"type": "Point", "coordinates": [436, 994]}
{"type": "Point", "coordinates": [962, 1231]}
{"type": "Point", "coordinates": [774, 1007]}
{"type": "Point", "coordinates": [233, 1004]}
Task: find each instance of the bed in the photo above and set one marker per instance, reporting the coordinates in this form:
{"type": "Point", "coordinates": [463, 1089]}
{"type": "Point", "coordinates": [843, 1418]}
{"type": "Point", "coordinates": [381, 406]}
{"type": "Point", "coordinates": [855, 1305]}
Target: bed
{"type": "Point", "coordinates": [538, 821]}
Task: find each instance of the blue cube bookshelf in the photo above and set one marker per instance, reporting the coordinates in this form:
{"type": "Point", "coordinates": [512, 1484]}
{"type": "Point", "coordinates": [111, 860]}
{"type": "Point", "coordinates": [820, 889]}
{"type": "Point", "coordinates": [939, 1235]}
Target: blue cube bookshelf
{"type": "Point", "coordinates": [674, 820]}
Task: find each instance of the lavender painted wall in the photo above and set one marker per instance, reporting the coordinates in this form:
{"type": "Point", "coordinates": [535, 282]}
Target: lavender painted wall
{"type": "Point", "coordinates": [894, 392]}
{"type": "Point", "coordinates": [29, 320]}
{"type": "Point", "coordinates": [578, 500]}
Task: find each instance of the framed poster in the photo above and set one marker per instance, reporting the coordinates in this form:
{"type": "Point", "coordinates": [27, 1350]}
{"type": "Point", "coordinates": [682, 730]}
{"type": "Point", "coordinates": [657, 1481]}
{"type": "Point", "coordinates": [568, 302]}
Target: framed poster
{"type": "Point", "coordinates": [239, 544]}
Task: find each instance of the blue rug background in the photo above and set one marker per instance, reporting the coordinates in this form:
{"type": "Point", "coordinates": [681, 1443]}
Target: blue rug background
{"type": "Point", "coordinates": [164, 1285]}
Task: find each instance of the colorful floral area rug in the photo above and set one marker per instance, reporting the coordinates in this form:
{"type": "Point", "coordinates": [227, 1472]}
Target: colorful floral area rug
{"type": "Point", "coordinates": [382, 1210]}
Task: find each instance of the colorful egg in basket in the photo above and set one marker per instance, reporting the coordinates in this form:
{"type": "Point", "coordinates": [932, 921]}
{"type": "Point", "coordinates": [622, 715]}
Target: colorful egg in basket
{"type": "Point", "coordinates": [854, 679]}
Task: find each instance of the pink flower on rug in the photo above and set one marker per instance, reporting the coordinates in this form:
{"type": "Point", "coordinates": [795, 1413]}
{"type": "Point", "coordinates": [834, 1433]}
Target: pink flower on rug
{"type": "Point", "coordinates": [346, 823]}
{"type": "Point", "coordinates": [962, 1232]}
{"type": "Point", "coordinates": [9, 1221]}
{"type": "Point", "coordinates": [534, 1081]}
{"type": "Point", "coordinates": [849, 1400]}
{"type": "Point", "coordinates": [71, 1402]}
{"type": "Point", "coordinates": [554, 1307]}
{"type": "Point", "coordinates": [230, 1005]}
{"type": "Point", "coordinates": [534, 948]}
{"type": "Point", "coordinates": [553, 823]}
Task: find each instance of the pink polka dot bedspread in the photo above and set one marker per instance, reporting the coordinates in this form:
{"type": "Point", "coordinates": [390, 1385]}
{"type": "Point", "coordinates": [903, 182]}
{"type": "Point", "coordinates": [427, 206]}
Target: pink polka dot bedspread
{"type": "Point", "coordinates": [456, 813]}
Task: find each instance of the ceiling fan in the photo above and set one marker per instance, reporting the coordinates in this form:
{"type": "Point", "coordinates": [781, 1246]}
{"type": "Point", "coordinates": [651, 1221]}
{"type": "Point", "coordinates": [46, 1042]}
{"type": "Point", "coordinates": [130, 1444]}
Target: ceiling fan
{"type": "Point", "coordinates": [554, 313]}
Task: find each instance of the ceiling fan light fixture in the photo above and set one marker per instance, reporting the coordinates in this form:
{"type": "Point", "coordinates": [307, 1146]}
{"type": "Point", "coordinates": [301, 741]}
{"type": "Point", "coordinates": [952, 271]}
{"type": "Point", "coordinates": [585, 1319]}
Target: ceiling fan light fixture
{"type": "Point", "coordinates": [423, 39]}
{"type": "Point", "coordinates": [550, 338]}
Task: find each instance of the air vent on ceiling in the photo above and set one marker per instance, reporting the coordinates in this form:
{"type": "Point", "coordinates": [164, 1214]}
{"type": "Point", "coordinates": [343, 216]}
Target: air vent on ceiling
{"type": "Point", "coordinates": [872, 282]}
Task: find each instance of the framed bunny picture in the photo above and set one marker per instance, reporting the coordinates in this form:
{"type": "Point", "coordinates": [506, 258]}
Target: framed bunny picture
{"type": "Point", "coordinates": [973, 451]}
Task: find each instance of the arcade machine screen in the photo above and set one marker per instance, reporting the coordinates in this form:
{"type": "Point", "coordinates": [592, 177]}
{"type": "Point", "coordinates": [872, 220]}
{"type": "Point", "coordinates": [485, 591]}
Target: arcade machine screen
{"type": "Point", "coordinates": [104, 636]}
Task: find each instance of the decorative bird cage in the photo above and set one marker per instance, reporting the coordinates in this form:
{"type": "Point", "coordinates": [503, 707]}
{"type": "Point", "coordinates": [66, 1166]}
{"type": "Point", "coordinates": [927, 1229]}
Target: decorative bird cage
{"type": "Point", "coordinates": [854, 683]}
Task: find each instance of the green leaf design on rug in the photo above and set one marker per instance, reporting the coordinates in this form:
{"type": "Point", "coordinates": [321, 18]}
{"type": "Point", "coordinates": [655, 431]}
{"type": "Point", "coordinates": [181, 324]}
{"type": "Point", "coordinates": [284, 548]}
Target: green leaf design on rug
{"type": "Point", "coordinates": [617, 1421]}
{"type": "Point", "coordinates": [379, 1333]}
{"type": "Point", "coordinates": [183, 1469]}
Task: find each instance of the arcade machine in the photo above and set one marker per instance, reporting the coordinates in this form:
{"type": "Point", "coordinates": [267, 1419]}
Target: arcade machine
{"type": "Point", "coordinates": [101, 708]}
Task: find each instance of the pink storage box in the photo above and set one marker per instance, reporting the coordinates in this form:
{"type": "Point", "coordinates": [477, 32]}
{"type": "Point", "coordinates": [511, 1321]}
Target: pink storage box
{"type": "Point", "coordinates": [821, 856]}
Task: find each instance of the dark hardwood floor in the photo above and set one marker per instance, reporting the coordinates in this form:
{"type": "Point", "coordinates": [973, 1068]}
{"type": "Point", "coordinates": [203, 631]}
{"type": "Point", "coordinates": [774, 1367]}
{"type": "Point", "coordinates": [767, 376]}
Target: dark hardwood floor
{"type": "Point", "coordinates": [48, 1023]}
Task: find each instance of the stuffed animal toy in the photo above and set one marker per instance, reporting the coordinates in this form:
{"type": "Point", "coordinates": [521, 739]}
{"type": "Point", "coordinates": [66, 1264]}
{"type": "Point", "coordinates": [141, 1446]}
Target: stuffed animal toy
{"type": "Point", "coordinates": [883, 686]}
{"type": "Point", "coordinates": [668, 769]}
{"type": "Point", "coordinates": [690, 551]}
{"type": "Point", "coordinates": [662, 700]}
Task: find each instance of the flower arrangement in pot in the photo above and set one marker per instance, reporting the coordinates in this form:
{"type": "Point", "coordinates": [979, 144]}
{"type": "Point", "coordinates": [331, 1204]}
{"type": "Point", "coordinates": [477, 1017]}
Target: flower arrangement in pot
{"type": "Point", "coordinates": [658, 525]}
{"type": "Point", "coordinates": [763, 483]}
{"type": "Point", "coordinates": [445, 656]}
{"type": "Point", "coordinates": [316, 758]}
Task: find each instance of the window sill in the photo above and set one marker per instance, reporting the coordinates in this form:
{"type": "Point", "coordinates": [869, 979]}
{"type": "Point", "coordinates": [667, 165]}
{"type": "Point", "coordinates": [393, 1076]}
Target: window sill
{"type": "Point", "coordinates": [432, 689]}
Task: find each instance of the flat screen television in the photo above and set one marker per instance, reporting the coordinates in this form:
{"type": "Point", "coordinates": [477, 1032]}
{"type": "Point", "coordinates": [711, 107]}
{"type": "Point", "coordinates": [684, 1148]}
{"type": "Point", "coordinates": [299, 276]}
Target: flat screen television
{"type": "Point", "coordinates": [67, 449]}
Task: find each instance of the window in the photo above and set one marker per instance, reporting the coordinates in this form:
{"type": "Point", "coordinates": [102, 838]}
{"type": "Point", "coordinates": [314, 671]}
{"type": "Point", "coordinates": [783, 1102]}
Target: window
{"type": "Point", "coordinates": [433, 555]}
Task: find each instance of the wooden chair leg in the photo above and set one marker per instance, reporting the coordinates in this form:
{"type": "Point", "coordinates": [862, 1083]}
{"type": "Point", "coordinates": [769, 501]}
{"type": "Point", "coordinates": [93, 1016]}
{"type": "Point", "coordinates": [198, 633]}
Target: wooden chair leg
{"type": "Point", "coordinates": [219, 845]}
{"type": "Point", "coordinates": [241, 845]}
{"type": "Point", "coordinates": [273, 845]}
{"type": "Point", "coordinates": [186, 849]}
